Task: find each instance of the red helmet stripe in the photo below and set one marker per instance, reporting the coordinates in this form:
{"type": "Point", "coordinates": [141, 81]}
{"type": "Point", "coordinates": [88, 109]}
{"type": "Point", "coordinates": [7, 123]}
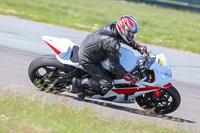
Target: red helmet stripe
{"type": "Point", "coordinates": [119, 28]}
{"type": "Point", "coordinates": [123, 25]}
{"type": "Point", "coordinates": [127, 25]}
{"type": "Point", "coordinates": [124, 22]}
{"type": "Point", "coordinates": [130, 22]}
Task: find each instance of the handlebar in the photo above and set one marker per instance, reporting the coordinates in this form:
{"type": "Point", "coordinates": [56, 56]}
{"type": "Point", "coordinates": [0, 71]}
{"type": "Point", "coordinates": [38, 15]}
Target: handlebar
{"type": "Point", "coordinates": [146, 56]}
{"type": "Point", "coordinates": [141, 62]}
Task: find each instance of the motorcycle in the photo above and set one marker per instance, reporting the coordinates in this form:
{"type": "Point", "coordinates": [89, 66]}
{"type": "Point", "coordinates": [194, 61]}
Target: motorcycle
{"type": "Point", "coordinates": [154, 92]}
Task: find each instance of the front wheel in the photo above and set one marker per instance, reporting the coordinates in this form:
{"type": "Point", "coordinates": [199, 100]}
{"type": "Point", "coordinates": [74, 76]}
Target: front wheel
{"type": "Point", "coordinates": [168, 102]}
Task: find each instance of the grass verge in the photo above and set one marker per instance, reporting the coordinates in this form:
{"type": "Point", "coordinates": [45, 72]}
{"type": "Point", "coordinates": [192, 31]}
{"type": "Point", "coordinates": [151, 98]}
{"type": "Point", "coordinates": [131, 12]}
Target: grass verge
{"type": "Point", "coordinates": [158, 26]}
{"type": "Point", "coordinates": [26, 115]}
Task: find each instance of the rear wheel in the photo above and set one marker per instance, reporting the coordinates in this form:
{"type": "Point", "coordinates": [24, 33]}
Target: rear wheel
{"type": "Point", "coordinates": [168, 102]}
{"type": "Point", "coordinates": [48, 74]}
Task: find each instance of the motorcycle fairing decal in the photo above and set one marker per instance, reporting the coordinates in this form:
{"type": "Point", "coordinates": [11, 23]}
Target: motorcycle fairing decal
{"type": "Point", "coordinates": [132, 90]}
{"type": "Point", "coordinates": [167, 85]}
{"type": "Point", "coordinates": [56, 50]}
{"type": "Point", "coordinates": [160, 62]}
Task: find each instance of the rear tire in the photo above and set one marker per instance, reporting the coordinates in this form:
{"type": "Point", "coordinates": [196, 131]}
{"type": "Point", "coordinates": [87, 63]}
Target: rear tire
{"type": "Point", "coordinates": [45, 70]}
{"type": "Point", "coordinates": [168, 102]}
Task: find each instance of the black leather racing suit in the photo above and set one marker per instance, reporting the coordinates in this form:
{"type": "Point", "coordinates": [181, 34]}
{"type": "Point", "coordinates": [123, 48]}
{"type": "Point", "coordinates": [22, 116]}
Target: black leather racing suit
{"type": "Point", "coordinates": [98, 46]}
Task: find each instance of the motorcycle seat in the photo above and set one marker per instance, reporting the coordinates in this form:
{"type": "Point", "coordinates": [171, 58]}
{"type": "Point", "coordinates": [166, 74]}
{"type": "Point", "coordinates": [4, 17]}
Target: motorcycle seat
{"type": "Point", "coordinates": [74, 55]}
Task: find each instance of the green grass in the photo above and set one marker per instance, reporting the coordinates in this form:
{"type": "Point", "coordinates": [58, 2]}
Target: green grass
{"type": "Point", "coordinates": [26, 115]}
{"type": "Point", "coordinates": [158, 26]}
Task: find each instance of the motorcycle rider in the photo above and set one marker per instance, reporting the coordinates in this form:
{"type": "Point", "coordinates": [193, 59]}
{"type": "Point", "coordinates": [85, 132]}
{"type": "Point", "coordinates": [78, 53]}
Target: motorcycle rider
{"type": "Point", "coordinates": [102, 44]}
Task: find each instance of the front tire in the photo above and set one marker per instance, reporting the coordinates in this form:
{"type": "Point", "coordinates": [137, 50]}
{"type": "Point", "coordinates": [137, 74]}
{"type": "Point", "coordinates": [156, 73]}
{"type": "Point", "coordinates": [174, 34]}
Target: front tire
{"type": "Point", "coordinates": [168, 102]}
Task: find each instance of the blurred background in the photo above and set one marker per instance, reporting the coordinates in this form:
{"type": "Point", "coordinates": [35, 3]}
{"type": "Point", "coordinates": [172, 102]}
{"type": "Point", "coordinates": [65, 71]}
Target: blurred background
{"type": "Point", "coordinates": [175, 26]}
{"type": "Point", "coordinates": [168, 26]}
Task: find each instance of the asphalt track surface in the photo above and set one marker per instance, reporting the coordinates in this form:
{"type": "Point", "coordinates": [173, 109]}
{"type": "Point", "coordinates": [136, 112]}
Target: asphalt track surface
{"type": "Point", "coordinates": [20, 43]}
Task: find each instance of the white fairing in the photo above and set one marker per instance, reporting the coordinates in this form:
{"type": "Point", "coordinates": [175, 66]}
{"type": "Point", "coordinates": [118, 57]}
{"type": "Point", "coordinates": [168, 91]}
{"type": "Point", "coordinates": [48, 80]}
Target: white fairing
{"type": "Point", "coordinates": [65, 46]}
{"type": "Point", "coordinates": [61, 44]}
{"type": "Point", "coordinates": [127, 59]}
{"type": "Point", "coordinates": [163, 73]}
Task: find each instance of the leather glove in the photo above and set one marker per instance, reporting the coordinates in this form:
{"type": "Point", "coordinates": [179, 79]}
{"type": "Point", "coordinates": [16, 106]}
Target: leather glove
{"type": "Point", "coordinates": [131, 78]}
{"type": "Point", "coordinates": [142, 50]}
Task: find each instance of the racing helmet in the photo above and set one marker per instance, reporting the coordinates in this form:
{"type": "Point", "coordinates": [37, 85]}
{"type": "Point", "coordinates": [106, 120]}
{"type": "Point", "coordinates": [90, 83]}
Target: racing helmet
{"type": "Point", "coordinates": [127, 27]}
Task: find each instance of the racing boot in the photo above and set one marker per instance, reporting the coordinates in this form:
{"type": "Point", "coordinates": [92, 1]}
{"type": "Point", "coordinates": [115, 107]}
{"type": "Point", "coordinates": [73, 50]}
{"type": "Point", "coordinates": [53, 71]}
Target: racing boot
{"type": "Point", "coordinates": [76, 84]}
{"type": "Point", "coordinates": [91, 84]}
{"type": "Point", "coordinates": [101, 87]}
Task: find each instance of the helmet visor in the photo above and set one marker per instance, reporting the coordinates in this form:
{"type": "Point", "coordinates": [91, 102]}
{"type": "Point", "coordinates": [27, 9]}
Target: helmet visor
{"type": "Point", "coordinates": [131, 35]}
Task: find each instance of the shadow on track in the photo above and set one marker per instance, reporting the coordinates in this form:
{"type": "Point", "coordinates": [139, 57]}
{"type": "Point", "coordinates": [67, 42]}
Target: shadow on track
{"type": "Point", "coordinates": [131, 110]}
